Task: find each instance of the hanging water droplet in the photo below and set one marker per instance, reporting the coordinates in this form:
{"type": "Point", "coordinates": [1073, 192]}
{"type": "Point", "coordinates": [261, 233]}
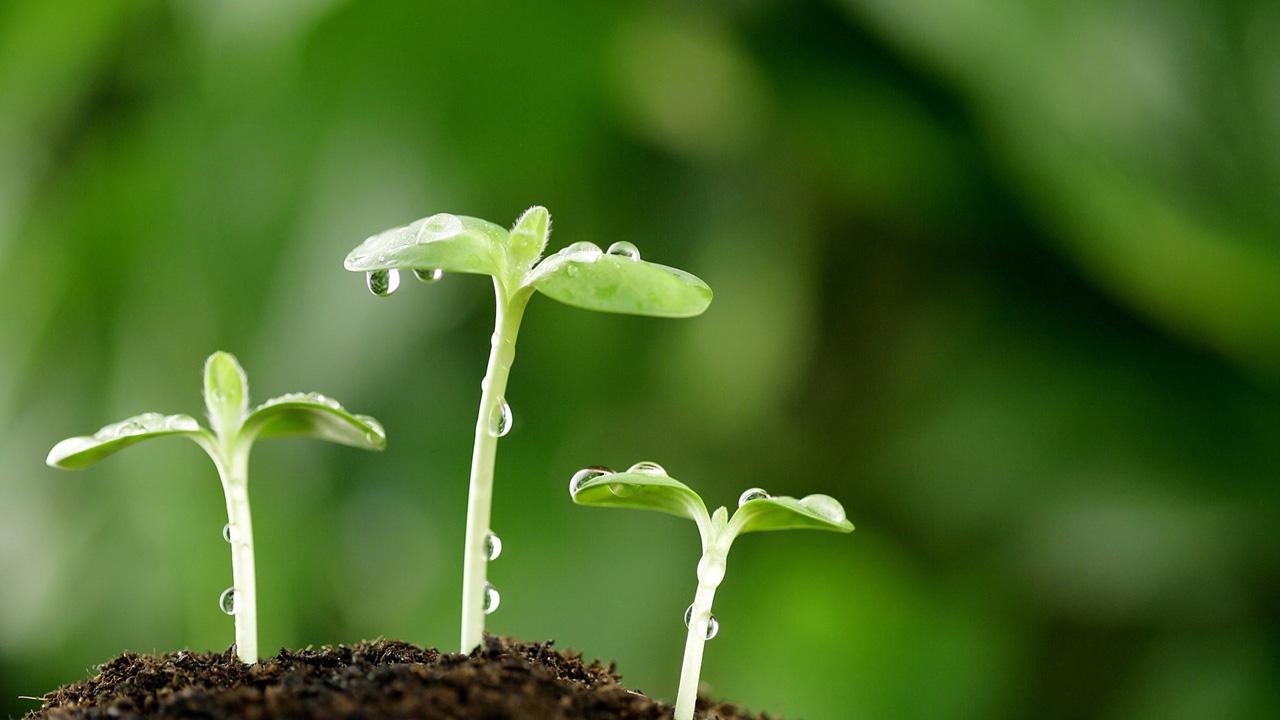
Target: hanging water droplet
{"type": "Point", "coordinates": [382, 282]}
{"type": "Point", "coordinates": [492, 546]}
{"type": "Point", "coordinates": [624, 249]}
{"type": "Point", "coordinates": [226, 532]}
{"type": "Point", "coordinates": [500, 420]}
{"type": "Point", "coordinates": [585, 475]}
{"type": "Point", "coordinates": [228, 600]}
{"type": "Point", "coordinates": [713, 625]}
{"type": "Point", "coordinates": [648, 468]}
{"type": "Point", "coordinates": [428, 275]}
{"type": "Point", "coordinates": [826, 506]}
{"type": "Point", "coordinates": [753, 494]}
{"type": "Point", "coordinates": [491, 598]}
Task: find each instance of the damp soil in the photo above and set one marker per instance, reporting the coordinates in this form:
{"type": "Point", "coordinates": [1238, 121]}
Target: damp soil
{"type": "Point", "coordinates": [503, 678]}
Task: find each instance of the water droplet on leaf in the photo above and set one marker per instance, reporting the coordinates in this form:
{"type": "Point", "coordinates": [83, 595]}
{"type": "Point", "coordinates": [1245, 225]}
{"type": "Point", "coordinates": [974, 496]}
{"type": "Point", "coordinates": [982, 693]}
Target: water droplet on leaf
{"type": "Point", "coordinates": [582, 252]}
{"type": "Point", "coordinates": [383, 282]}
{"type": "Point", "coordinates": [491, 598]}
{"type": "Point", "coordinates": [648, 468]}
{"type": "Point", "coordinates": [492, 546]}
{"type": "Point", "coordinates": [500, 420]}
{"type": "Point", "coordinates": [753, 494]}
{"type": "Point", "coordinates": [624, 249]}
{"type": "Point", "coordinates": [826, 506]}
{"type": "Point", "coordinates": [585, 475]}
{"type": "Point", "coordinates": [428, 275]}
{"type": "Point", "coordinates": [713, 625]}
{"type": "Point", "coordinates": [227, 601]}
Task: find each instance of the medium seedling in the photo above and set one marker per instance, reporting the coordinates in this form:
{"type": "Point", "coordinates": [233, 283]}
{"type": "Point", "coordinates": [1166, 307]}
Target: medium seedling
{"type": "Point", "coordinates": [647, 486]}
{"type": "Point", "coordinates": [614, 280]}
{"type": "Point", "coordinates": [235, 428]}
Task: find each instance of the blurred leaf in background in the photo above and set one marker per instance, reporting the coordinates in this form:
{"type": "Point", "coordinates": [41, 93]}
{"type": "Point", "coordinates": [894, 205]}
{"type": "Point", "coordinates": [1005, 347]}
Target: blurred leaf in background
{"type": "Point", "coordinates": [1003, 277]}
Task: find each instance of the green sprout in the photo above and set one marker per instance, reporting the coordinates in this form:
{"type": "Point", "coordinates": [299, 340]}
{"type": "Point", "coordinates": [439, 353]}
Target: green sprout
{"type": "Point", "coordinates": [235, 427]}
{"type": "Point", "coordinates": [614, 280]}
{"type": "Point", "coordinates": [646, 486]}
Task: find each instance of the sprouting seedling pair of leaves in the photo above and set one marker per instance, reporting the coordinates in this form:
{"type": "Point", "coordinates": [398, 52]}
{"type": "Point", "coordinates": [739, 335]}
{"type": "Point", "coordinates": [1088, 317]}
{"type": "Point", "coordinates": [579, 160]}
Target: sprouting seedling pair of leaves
{"type": "Point", "coordinates": [646, 486]}
{"type": "Point", "coordinates": [614, 280]}
{"type": "Point", "coordinates": [235, 427]}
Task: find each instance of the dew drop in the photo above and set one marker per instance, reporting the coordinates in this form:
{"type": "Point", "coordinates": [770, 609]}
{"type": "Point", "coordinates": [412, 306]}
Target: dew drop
{"type": "Point", "coordinates": [753, 494]}
{"type": "Point", "coordinates": [383, 282]}
{"type": "Point", "coordinates": [648, 468]}
{"type": "Point", "coordinates": [500, 420]}
{"type": "Point", "coordinates": [581, 252]}
{"type": "Point", "coordinates": [226, 532]}
{"type": "Point", "coordinates": [828, 507]}
{"type": "Point", "coordinates": [428, 275]}
{"type": "Point", "coordinates": [585, 475]}
{"type": "Point", "coordinates": [624, 249]}
{"type": "Point", "coordinates": [491, 598]}
{"type": "Point", "coordinates": [713, 625]}
{"type": "Point", "coordinates": [492, 546]}
{"type": "Point", "coordinates": [227, 601]}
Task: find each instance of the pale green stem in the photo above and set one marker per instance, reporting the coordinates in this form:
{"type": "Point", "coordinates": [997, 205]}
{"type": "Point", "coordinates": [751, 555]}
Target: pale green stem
{"type": "Point", "coordinates": [711, 573]}
{"type": "Point", "coordinates": [233, 469]}
{"type": "Point", "coordinates": [509, 312]}
{"type": "Point", "coordinates": [691, 669]}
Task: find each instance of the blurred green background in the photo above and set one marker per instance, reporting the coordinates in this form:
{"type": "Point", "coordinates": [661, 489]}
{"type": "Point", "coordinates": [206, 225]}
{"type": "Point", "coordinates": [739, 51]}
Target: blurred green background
{"type": "Point", "coordinates": [1002, 276]}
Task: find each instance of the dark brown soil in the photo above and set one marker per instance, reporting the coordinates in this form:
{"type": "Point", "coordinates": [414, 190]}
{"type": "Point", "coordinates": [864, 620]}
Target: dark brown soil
{"type": "Point", "coordinates": [370, 681]}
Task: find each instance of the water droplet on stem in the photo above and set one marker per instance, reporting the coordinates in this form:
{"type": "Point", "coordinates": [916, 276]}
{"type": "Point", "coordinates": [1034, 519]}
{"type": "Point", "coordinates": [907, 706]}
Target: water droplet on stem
{"type": "Point", "coordinates": [228, 600]}
{"type": "Point", "coordinates": [226, 532]}
{"type": "Point", "coordinates": [500, 420]}
{"type": "Point", "coordinates": [492, 546]}
{"type": "Point", "coordinates": [713, 625]}
{"type": "Point", "coordinates": [491, 598]}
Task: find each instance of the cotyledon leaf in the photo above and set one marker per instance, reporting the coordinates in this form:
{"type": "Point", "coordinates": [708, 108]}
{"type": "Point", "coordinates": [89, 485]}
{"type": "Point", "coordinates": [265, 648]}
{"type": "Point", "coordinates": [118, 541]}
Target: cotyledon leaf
{"type": "Point", "coordinates": [583, 276]}
{"type": "Point", "coordinates": [812, 512]}
{"type": "Point", "coordinates": [313, 415]}
{"type": "Point", "coordinates": [455, 243]}
{"type": "Point", "coordinates": [226, 392]}
{"type": "Point", "coordinates": [81, 452]}
{"type": "Point", "coordinates": [529, 236]}
{"type": "Point", "coordinates": [643, 491]}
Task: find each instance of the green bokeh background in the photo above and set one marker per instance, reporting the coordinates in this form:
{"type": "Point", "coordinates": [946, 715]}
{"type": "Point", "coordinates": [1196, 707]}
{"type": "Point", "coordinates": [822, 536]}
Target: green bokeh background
{"type": "Point", "coordinates": [1004, 277]}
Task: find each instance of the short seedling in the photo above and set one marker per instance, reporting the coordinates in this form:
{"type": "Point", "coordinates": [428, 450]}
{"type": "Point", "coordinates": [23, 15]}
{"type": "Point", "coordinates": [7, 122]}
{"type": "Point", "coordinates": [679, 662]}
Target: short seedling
{"type": "Point", "coordinates": [235, 427]}
{"type": "Point", "coordinates": [647, 486]}
{"type": "Point", "coordinates": [614, 280]}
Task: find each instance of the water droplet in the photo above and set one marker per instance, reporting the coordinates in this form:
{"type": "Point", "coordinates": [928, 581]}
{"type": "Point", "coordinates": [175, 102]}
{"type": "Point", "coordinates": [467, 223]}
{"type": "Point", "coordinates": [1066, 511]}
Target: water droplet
{"type": "Point", "coordinates": [382, 282]}
{"type": "Point", "coordinates": [585, 475]}
{"type": "Point", "coordinates": [441, 226]}
{"type": "Point", "coordinates": [713, 625]}
{"type": "Point", "coordinates": [500, 420]}
{"type": "Point", "coordinates": [624, 249]}
{"type": "Point", "coordinates": [753, 494]}
{"type": "Point", "coordinates": [226, 532]}
{"type": "Point", "coordinates": [227, 601]}
{"type": "Point", "coordinates": [828, 507]}
{"type": "Point", "coordinates": [428, 275]}
{"type": "Point", "coordinates": [648, 468]}
{"type": "Point", "coordinates": [491, 598]}
{"type": "Point", "coordinates": [492, 546]}
{"type": "Point", "coordinates": [582, 252]}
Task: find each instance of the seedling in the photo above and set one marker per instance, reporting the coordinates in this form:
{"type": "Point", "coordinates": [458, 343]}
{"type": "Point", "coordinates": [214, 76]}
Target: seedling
{"type": "Point", "coordinates": [647, 486]}
{"type": "Point", "coordinates": [614, 280]}
{"type": "Point", "coordinates": [235, 428]}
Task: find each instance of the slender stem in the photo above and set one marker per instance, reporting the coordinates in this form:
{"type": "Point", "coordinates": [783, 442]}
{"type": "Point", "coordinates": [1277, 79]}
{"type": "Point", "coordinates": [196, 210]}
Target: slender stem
{"type": "Point", "coordinates": [508, 313]}
{"type": "Point", "coordinates": [691, 669]}
{"type": "Point", "coordinates": [235, 486]}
